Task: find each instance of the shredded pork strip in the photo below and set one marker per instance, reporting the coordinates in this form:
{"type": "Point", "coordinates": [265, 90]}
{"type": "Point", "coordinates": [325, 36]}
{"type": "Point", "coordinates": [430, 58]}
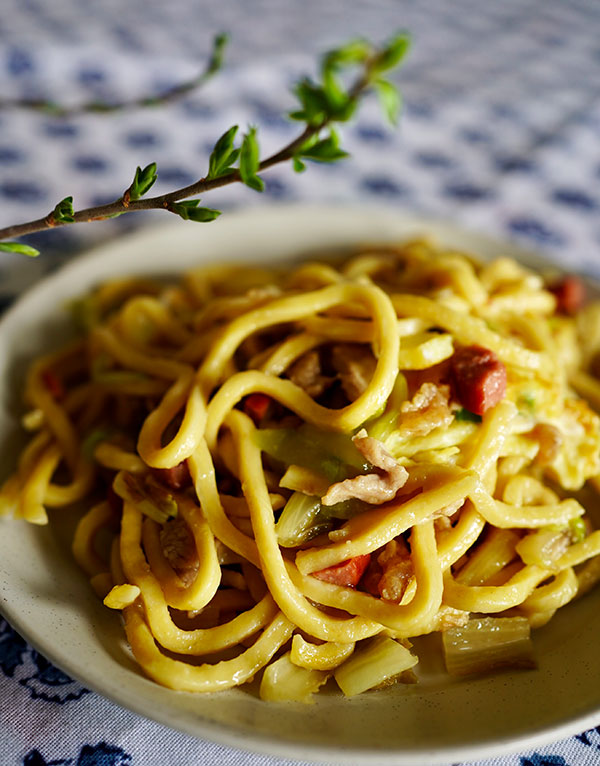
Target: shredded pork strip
{"type": "Point", "coordinates": [355, 365]}
{"type": "Point", "coordinates": [427, 410]}
{"type": "Point", "coordinates": [305, 372]}
{"type": "Point", "coordinates": [179, 549]}
{"type": "Point", "coordinates": [374, 488]}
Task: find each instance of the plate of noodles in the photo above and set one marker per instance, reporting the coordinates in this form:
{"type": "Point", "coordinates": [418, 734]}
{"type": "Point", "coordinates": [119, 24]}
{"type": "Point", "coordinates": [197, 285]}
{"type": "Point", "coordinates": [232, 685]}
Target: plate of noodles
{"type": "Point", "coordinates": [317, 482]}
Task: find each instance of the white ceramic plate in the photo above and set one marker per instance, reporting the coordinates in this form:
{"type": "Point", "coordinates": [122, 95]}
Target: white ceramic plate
{"type": "Point", "coordinates": [48, 600]}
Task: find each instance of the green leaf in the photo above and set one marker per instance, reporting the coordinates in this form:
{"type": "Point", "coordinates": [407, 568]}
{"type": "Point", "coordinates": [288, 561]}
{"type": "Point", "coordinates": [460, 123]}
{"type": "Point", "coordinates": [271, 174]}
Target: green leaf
{"type": "Point", "coordinates": [218, 51]}
{"type": "Point", "coordinates": [223, 155]}
{"type": "Point", "coordinates": [18, 247]}
{"type": "Point", "coordinates": [354, 52]}
{"type": "Point", "coordinates": [390, 99]}
{"type": "Point", "coordinates": [203, 214]}
{"type": "Point", "coordinates": [299, 166]}
{"type": "Point", "coordinates": [338, 103]}
{"type": "Point", "coordinates": [189, 211]}
{"type": "Point", "coordinates": [324, 150]}
{"type": "Point", "coordinates": [335, 96]}
{"type": "Point", "coordinates": [250, 161]}
{"type": "Point", "coordinates": [142, 181]}
{"type": "Point", "coordinates": [392, 54]}
{"type": "Point", "coordinates": [313, 102]}
{"type": "Point", "coordinates": [63, 212]}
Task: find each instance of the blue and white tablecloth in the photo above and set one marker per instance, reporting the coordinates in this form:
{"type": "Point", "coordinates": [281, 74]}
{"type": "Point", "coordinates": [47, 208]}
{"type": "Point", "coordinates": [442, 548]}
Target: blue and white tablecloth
{"type": "Point", "coordinates": [500, 131]}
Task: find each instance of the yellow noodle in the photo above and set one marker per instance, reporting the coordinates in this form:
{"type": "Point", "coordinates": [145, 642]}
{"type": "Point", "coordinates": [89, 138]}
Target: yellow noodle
{"type": "Point", "coordinates": [208, 575]}
{"type": "Point", "coordinates": [168, 368]}
{"type": "Point", "coordinates": [88, 526]}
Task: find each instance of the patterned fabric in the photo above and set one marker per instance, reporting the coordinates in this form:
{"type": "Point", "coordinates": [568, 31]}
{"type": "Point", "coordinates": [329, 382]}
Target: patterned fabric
{"type": "Point", "coordinates": [501, 131]}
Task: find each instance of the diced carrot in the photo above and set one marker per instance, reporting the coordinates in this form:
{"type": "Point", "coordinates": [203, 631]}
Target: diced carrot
{"type": "Point", "coordinates": [346, 573]}
{"type": "Point", "coordinates": [177, 477]}
{"type": "Point", "coordinates": [257, 406]}
{"type": "Point", "coordinates": [479, 378]}
{"type": "Point", "coordinates": [53, 384]}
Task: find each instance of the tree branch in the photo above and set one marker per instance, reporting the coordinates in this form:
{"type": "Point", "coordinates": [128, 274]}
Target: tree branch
{"type": "Point", "coordinates": [168, 96]}
{"type": "Point", "coordinates": [321, 106]}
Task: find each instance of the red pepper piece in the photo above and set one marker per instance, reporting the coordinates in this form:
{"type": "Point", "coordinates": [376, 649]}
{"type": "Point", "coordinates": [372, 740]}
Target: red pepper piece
{"type": "Point", "coordinates": [177, 477]}
{"type": "Point", "coordinates": [257, 406]}
{"type": "Point", "coordinates": [570, 294]}
{"type": "Point", "coordinates": [479, 378]}
{"type": "Point", "coordinates": [347, 573]}
{"type": "Point", "coordinates": [53, 384]}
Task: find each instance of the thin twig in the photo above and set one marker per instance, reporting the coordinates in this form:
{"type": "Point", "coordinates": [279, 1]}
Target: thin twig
{"type": "Point", "coordinates": [164, 201]}
{"type": "Point", "coordinates": [168, 96]}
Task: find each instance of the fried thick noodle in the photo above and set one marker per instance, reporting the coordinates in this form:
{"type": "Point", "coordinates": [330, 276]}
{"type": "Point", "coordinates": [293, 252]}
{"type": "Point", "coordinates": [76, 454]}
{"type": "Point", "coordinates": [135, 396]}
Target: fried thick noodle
{"type": "Point", "coordinates": [301, 470]}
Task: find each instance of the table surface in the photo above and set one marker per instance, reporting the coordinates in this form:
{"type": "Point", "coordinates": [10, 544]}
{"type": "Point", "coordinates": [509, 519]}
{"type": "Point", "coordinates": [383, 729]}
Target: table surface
{"type": "Point", "coordinates": [500, 132]}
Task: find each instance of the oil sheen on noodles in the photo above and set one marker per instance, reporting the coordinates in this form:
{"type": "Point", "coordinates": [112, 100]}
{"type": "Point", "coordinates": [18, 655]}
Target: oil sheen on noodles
{"type": "Point", "coordinates": [291, 474]}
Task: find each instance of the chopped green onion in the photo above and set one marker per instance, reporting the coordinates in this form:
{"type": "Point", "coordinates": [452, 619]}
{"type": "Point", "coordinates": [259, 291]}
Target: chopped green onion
{"type": "Point", "coordinates": [578, 529]}
{"type": "Point", "coordinates": [526, 401]}
{"type": "Point", "coordinates": [93, 439]}
{"type": "Point", "coordinates": [466, 415]}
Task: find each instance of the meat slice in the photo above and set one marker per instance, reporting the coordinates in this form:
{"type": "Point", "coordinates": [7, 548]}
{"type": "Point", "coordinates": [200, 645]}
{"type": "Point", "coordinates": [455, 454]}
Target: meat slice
{"type": "Point", "coordinates": [570, 294]}
{"type": "Point", "coordinates": [427, 410]}
{"type": "Point", "coordinates": [397, 570]}
{"type": "Point", "coordinates": [177, 477]}
{"type": "Point", "coordinates": [355, 365]}
{"type": "Point", "coordinates": [550, 440]}
{"type": "Point", "coordinates": [374, 488]}
{"type": "Point", "coordinates": [179, 549]}
{"type": "Point", "coordinates": [479, 377]}
{"type": "Point", "coordinates": [306, 373]}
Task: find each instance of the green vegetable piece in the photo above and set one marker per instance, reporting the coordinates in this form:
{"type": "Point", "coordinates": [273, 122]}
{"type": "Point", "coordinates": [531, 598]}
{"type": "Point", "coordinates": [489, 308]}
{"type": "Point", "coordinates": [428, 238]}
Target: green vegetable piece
{"type": "Point", "coordinates": [578, 529]}
{"type": "Point", "coordinates": [250, 161]}
{"type": "Point", "coordinates": [384, 423]}
{"type": "Point", "coordinates": [93, 439]}
{"type": "Point", "coordinates": [19, 247]}
{"type": "Point", "coordinates": [381, 660]}
{"type": "Point", "coordinates": [466, 415]}
{"type": "Point", "coordinates": [488, 643]}
{"type": "Point", "coordinates": [330, 454]}
{"type": "Point", "coordinates": [300, 520]}
{"type": "Point", "coordinates": [526, 401]}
